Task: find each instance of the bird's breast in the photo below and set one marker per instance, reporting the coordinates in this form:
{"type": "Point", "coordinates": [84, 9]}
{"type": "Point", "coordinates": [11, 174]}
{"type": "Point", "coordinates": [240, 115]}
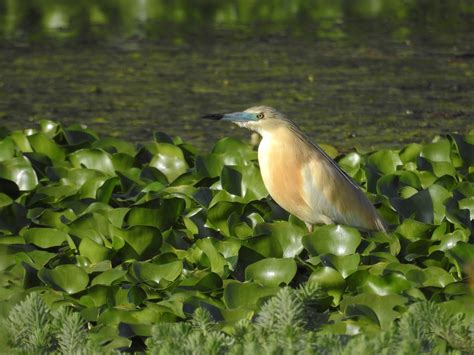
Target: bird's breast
{"type": "Point", "coordinates": [281, 169]}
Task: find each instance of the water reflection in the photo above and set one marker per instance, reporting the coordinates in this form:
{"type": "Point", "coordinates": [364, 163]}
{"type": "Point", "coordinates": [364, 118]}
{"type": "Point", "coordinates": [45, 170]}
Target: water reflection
{"type": "Point", "coordinates": [95, 19]}
{"type": "Point", "coordinates": [366, 73]}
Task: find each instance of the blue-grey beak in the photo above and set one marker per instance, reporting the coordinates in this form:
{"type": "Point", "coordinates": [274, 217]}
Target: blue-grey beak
{"type": "Point", "coordinates": [234, 116]}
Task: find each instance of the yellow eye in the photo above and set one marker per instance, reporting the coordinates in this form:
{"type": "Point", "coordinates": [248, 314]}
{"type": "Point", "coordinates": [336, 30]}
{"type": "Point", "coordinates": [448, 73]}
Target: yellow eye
{"type": "Point", "coordinates": [260, 115]}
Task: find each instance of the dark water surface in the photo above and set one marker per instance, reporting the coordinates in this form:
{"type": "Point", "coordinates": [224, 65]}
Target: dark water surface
{"type": "Point", "coordinates": [364, 89]}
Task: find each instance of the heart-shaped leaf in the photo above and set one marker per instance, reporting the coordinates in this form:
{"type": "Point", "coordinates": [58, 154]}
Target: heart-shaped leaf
{"type": "Point", "coordinates": [332, 239]}
{"type": "Point", "coordinates": [68, 278]}
{"type": "Point", "coordinates": [271, 271]}
{"type": "Point", "coordinates": [45, 237]}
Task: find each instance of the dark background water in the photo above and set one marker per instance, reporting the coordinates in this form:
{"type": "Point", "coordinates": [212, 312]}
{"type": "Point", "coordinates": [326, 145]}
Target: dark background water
{"type": "Point", "coordinates": [365, 73]}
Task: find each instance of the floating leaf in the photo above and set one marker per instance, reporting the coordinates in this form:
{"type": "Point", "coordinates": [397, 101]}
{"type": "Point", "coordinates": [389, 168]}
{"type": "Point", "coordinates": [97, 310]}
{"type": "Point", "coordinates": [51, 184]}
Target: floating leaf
{"type": "Point", "coordinates": [95, 159]}
{"type": "Point", "coordinates": [288, 235]}
{"type": "Point", "coordinates": [439, 151]}
{"type": "Point", "coordinates": [345, 264]}
{"type": "Point", "coordinates": [216, 259]}
{"type": "Point", "coordinates": [169, 160]}
{"type": "Point", "coordinates": [330, 280]}
{"type": "Point", "coordinates": [463, 255]}
{"type": "Point", "coordinates": [271, 271]}
{"type": "Point", "coordinates": [232, 147]}
{"type": "Point", "coordinates": [45, 237]}
{"type": "Point", "coordinates": [333, 239]}
{"type": "Point", "coordinates": [410, 152]}
{"type": "Point", "coordinates": [383, 306]}
{"type": "Point", "coordinates": [145, 241]}
{"type": "Point", "coordinates": [147, 271]}
{"type": "Point", "coordinates": [109, 277]}
{"type": "Point", "coordinates": [163, 214]}
{"type": "Point", "coordinates": [202, 281]}
{"type": "Point", "coordinates": [246, 295]}
{"type": "Point", "coordinates": [94, 251]}
{"type": "Point", "coordinates": [41, 143]}
{"type": "Point", "coordinates": [231, 180]}
{"type": "Point", "coordinates": [386, 161]}
{"type": "Point", "coordinates": [426, 206]}
{"type": "Point", "coordinates": [19, 171]}
{"type": "Point", "coordinates": [68, 278]}
{"type": "Point", "coordinates": [7, 149]}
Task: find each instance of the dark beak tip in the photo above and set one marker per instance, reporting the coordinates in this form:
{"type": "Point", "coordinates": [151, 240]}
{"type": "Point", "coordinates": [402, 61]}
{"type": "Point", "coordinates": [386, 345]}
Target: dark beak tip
{"type": "Point", "coordinates": [213, 116]}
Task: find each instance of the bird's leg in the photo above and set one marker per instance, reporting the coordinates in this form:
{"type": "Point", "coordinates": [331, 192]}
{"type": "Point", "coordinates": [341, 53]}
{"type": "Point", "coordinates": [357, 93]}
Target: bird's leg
{"type": "Point", "coordinates": [309, 226]}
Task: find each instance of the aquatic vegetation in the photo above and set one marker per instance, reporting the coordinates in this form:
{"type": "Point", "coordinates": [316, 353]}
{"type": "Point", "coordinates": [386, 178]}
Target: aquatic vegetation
{"type": "Point", "coordinates": [157, 246]}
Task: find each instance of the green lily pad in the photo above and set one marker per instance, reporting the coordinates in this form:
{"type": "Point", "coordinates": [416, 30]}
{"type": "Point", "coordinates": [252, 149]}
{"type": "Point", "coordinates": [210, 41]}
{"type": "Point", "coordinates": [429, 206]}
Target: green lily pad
{"type": "Point", "coordinates": [351, 163]}
{"type": "Point", "coordinates": [383, 306]}
{"type": "Point", "coordinates": [145, 241]}
{"type": "Point", "coordinates": [465, 146]}
{"type": "Point", "coordinates": [94, 251]}
{"type": "Point", "coordinates": [414, 230]}
{"type": "Point", "coordinates": [216, 260]}
{"type": "Point", "coordinates": [462, 255]}
{"type": "Point", "coordinates": [68, 278]}
{"type": "Point", "coordinates": [45, 237]}
{"type": "Point", "coordinates": [330, 280]}
{"type": "Point", "coordinates": [109, 277]}
{"type": "Point", "coordinates": [95, 159]}
{"type": "Point", "coordinates": [209, 165]}
{"type": "Point", "coordinates": [147, 271]}
{"type": "Point", "coordinates": [41, 143]}
{"type": "Point", "coordinates": [219, 214]}
{"type": "Point", "coordinates": [157, 213]}
{"type": "Point", "coordinates": [231, 180]}
{"type": "Point", "coordinates": [288, 235]}
{"type": "Point", "coordinates": [246, 295]}
{"type": "Point", "coordinates": [169, 160]}
{"type": "Point", "coordinates": [426, 206]}
{"type": "Point", "coordinates": [7, 149]}
{"type": "Point", "coordinates": [111, 144]}
{"type": "Point", "coordinates": [21, 141]}
{"type": "Point", "coordinates": [437, 277]}
{"type": "Point", "coordinates": [231, 147]}
{"type": "Point", "coordinates": [333, 239]}
{"type": "Point", "coordinates": [345, 264]}
{"type": "Point", "coordinates": [386, 161]}
{"type": "Point", "coordinates": [439, 151]}
{"type": "Point", "coordinates": [202, 281]}
{"type": "Point", "coordinates": [20, 171]}
{"type": "Point", "coordinates": [271, 271]}
{"type": "Point", "coordinates": [49, 128]}
{"type": "Point", "coordinates": [410, 152]}
{"type": "Point", "coordinates": [386, 284]}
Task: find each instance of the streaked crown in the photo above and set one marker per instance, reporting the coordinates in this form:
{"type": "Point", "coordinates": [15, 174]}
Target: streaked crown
{"type": "Point", "coordinates": [264, 112]}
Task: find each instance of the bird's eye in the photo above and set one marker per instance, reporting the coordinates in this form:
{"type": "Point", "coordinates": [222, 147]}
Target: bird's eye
{"type": "Point", "coordinates": [260, 115]}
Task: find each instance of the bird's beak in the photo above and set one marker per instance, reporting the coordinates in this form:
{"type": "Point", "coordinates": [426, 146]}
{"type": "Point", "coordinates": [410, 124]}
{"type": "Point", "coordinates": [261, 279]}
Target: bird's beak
{"type": "Point", "coordinates": [234, 116]}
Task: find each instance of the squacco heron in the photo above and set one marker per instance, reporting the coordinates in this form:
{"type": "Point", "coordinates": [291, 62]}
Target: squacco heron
{"type": "Point", "coordinates": [300, 176]}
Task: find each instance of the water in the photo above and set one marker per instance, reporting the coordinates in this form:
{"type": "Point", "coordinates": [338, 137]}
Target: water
{"type": "Point", "coordinates": [351, 83]}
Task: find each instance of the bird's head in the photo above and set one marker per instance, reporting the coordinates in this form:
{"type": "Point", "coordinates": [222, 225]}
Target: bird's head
{"type": "Point", "coordinates": [256, 118]}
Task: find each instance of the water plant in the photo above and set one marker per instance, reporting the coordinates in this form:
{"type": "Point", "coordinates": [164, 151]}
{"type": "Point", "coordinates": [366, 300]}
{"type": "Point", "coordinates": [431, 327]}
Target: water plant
{"type": "Point", "coordinates": [159, 246]}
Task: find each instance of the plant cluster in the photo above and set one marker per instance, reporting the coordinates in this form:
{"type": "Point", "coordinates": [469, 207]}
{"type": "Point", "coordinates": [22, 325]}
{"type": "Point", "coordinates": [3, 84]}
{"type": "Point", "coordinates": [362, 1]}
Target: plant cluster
{"type": "Point", "coordinates": [137, 240]}
{"type": "Point", "coordinates": [285, 324]}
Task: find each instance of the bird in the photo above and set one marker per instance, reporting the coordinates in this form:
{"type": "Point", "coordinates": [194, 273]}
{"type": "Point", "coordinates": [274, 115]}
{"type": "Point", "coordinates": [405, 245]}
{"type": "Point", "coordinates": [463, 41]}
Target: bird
{"type": "Point", "coordinates": [300, 176]}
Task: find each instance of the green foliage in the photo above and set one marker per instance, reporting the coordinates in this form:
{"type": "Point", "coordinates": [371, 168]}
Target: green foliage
{"type": "Point", "coordinates": [29, 325]}
{"type": "Point", "coordinates": [282, 327]}
{"type": "Point", "coordinates": [141, 240]}
{"type": "Point", "coordinates": [33, 327]}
